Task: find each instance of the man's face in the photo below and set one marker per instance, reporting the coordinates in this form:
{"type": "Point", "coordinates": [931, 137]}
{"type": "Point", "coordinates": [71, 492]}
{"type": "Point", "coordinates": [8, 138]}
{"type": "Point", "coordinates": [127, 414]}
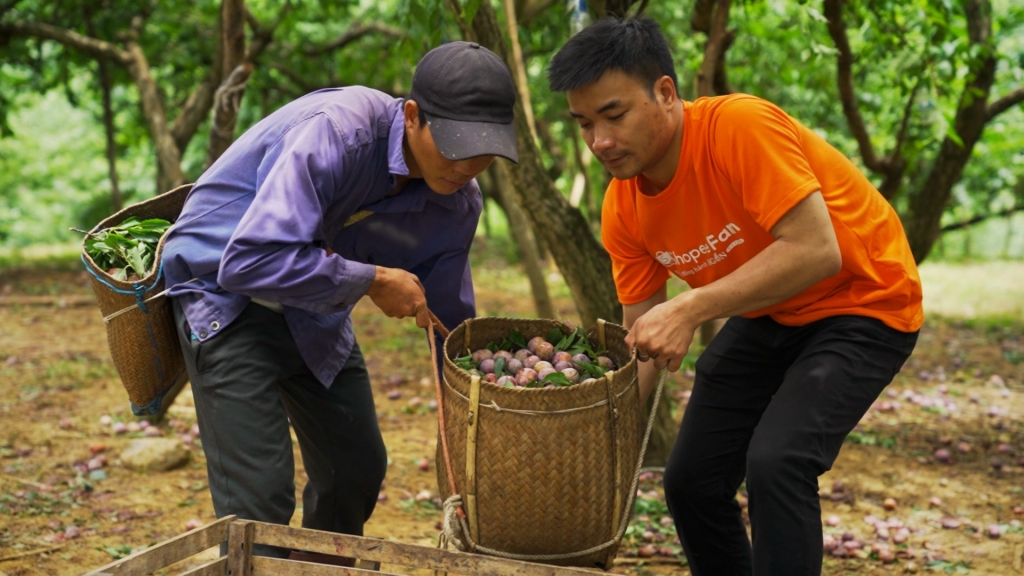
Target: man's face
{"type": "Point", "coordinates": [626, 128]}
{"type": "Point", "coordinates": [442, 175]}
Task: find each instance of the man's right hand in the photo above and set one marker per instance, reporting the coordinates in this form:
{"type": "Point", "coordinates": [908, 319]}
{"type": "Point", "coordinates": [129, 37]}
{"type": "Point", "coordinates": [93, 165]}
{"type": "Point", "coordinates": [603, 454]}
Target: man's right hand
{"type": "Point", "coordinates": [399, 294]}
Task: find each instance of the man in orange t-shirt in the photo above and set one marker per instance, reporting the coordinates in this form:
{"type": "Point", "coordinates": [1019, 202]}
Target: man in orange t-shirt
{"type": "Point", "coordinates": [773, 228]}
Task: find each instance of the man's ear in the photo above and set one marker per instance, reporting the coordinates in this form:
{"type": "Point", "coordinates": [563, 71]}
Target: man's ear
{"type": "Point", "coordinates": [665, 90]}
{"type": "Point", "coordinates": [412, 114]}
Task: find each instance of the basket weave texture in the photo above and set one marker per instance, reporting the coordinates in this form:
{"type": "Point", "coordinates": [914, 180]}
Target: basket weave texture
{"type": "Point", "coordinates": [143, 342]}
{"type": "Point", "coordinates": [555, 480]}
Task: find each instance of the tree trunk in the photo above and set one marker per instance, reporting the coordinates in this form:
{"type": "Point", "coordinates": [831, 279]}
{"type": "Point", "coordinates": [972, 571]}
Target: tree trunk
{"type": "Point", "coordinates": [582, 260]}
{"type": "Point", "coordinates": [521, 231]}
{"type": "Point", "coordinates": [719, 39]}
{"type": "Point", "coordinates": [924, 217]}
{"type": "Point", "coordinates": [228, 97]}
{"type": "Point", "coordinates": [116, 200]}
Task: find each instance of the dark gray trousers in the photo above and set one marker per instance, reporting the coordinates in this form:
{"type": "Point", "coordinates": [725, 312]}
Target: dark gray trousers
{"type": "Point", "coordinates": [248, 383]}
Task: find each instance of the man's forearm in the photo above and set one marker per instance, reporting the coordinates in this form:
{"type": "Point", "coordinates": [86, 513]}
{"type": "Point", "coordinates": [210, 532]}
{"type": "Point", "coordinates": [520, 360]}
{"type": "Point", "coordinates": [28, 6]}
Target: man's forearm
{"type": "Point", "coordinates": [780, 271]}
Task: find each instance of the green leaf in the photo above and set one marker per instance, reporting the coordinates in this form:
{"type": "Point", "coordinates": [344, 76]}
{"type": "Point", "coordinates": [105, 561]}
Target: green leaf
{"type": "Point", "coordinates": [591, 369]}
{"type": "Point", "coordinates": [470, 9]}
{"type": "Point", "coordinates": [465, 362]}
{"type": "Point", "coordinates": [517, 340]}
{"type": "Point", "coordinates": [554, 335]}
{"type": "Point", "coordinates": [558, 379]}
{"type": "Point", "coordinates": [499, 367]}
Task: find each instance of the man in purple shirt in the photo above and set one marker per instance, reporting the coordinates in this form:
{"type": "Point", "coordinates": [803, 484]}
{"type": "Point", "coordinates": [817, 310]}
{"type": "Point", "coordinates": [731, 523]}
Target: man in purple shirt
{"type": "Point", "coordinates": [342, 193]}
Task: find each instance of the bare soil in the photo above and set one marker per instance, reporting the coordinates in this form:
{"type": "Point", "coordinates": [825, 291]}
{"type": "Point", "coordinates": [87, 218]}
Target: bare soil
{"type": "Point", "coordinates": [962, 391]}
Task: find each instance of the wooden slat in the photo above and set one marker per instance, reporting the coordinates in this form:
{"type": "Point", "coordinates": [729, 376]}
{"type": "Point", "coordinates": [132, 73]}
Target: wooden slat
{"type": "Point", "coordinates": [263, 566]}
{"type": "Point", "coordinates": [423, 557]}
{"type": "Point", "coordinates": [169, 552]}
{"type": "Point", "coordinates": [218, 567]}
{"type": "Point", "coordinates": [240, 539]}
{"type": "Point", "coordinates": [368, 565]}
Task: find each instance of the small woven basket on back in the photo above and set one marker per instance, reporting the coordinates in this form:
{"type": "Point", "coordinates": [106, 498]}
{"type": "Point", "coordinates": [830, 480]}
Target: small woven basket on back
{"type": "Point", "coordinates": [140, 324]}
{"type": "Point", "coordinates": [544, 473]}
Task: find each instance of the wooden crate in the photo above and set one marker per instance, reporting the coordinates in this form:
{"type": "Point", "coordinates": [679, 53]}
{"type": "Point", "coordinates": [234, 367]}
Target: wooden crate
{"type": "Point", "coordinates": [369, 553]}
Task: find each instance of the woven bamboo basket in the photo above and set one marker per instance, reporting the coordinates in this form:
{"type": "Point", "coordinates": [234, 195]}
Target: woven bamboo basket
{"type": "Point", "coordinates": [140, 324]}
{"type": "Point", "coordinates": [544, 474]}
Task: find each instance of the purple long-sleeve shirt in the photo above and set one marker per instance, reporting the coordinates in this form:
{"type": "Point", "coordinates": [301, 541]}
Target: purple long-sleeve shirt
{"type": "Point", "coordinates": [256, 223]}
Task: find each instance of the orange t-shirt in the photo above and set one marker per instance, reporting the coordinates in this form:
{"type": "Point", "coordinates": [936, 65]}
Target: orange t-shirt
{"type": "Point", "coordinates": [743, 164]}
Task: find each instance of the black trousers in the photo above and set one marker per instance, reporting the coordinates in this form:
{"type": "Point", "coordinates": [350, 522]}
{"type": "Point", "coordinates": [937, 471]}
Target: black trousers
{"type": "Point", "coordinates": [248, 383]}
{"type": "Point", "coordinates": [772, 404]}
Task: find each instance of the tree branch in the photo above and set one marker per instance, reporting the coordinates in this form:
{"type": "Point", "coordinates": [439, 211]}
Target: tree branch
{"type": "Point", "coordinates": [468, 33]}
{"type": "Point", "coordinates": [94, 47]}
{"type": "Point", "coordinates": [262, 35]}
{"type": "Point", "coordinates": [700, 20]}
{"type": "Point", "coordinates": [1005, 103]}
{"type": "Point", "coordinates": [837, 29]}
{"type": "Point", "coordinates": [979, 219]}
{"type": "Point", "coordinates": [355, 32]}
{"type": "Point", "coordinates": [168, 154]}
{"type": "Point", "coordinates": [531, 10]}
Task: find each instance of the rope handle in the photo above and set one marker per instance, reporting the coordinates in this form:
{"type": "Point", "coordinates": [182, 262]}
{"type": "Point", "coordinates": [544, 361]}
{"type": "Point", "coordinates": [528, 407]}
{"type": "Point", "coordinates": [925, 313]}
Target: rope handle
{"type": "Point", "coordinates": [432, 340]}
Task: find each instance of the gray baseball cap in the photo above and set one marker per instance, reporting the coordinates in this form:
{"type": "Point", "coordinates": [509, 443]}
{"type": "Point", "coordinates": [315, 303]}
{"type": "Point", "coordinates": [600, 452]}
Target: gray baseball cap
{"type": "Point", "coordinates": [467, 95]}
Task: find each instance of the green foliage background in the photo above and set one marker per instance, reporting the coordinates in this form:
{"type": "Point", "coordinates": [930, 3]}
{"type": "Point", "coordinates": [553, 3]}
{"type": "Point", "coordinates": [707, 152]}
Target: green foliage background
{"type": "Point", "coordinates": [53, 173]}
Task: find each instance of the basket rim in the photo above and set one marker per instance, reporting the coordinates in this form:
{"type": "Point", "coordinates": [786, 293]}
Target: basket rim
{"type": "Point", "coordinates": [153, 278]}
{"type": "Point", "coordinates": [579, 388]}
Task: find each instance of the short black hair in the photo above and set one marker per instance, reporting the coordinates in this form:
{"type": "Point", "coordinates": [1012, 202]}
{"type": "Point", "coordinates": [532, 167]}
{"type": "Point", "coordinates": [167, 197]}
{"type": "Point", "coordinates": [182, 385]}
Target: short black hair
{"type": "Point", "coordinates": [635, 46]}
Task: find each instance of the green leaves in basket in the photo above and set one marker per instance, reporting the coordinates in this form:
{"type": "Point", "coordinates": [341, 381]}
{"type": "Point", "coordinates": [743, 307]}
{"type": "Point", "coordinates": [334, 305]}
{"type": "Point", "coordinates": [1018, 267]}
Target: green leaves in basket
{"type": "Point", "coordinates": [129, 247]}
{"type": "Point", "coordinates": [514, 341]}
{"type": "Point", "coordinates": [465, 362]}
{"type": "Point", "coordinates": [558, 379]}
{"type": "Point", "coordinates": [591, 370]}
{"type": "Point", "coordinates": [499, 367]}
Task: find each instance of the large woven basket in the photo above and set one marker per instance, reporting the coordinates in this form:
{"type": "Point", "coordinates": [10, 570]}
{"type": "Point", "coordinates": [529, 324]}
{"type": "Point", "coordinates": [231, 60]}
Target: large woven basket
{"type": "Point", "coordinates": [549, 473]}
{"type": "Point", "coordinates": [140, 324]}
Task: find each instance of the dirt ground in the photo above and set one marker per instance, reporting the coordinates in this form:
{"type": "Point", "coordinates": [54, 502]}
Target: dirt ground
{"type": "Point", "coordinates": [962, 392]}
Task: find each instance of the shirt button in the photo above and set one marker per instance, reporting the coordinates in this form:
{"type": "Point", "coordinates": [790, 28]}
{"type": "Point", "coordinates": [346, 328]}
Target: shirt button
{"type": "Point", "coordinates": [214, 325]}
{"type": "Point", "coordinates": [202, 333]}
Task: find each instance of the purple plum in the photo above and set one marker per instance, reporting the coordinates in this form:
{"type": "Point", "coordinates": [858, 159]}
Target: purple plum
{"type": "Point", "coordinates": [526, 376]}
{"type": "Point", "coordinates": [506, 381]}
{"type": "Point", "coordinates": [522, 355]}
{"type": "Point", "coordinates": [578, 359]}
{"type": "Point", "coordinates": [481, 355]}
{"type": "Point", "coordinates": [531, 361]}
{"type": "Point", "coordinates": [605, 362]}
{"type": "Point", "coordinates": [545, 350]}
{"type": "Point", "coordinates": [562, 365]}
{"type": "Point", "coordinates": [534, 342]}
{"type": "Point", "coordinates": [542, 374]}
{"type": "Point", "coordinates": [562, 357]}
{"type": "Point", "coordinates": [542, 365]}
{"type": "Point", "coordinates": [487, 366]}
{"type": "Point", "coordinates": [503, 354]}
{"type": "Point", "coordinates": [571, 374]}
{"type": "Point", "coordinates": [513, 366]}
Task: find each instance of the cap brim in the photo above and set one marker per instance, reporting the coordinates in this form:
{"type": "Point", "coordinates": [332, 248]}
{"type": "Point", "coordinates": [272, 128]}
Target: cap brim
{"type": "Point", "coordinates": [458, 140]}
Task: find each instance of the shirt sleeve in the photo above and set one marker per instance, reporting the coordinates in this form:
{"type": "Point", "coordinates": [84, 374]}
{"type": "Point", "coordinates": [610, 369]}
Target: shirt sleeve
{"type": "Point", "coordinates": [637, 274]}
{"type": "Point", "coordinates": [275, 252]}
{"type": "Point", "coordinates": [758, 146]}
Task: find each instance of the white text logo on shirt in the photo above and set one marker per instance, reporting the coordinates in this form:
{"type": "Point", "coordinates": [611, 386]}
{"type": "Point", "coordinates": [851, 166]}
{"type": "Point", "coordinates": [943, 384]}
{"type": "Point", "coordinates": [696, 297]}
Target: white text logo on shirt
{"type": "Point", "coordinates": [712, 242]}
